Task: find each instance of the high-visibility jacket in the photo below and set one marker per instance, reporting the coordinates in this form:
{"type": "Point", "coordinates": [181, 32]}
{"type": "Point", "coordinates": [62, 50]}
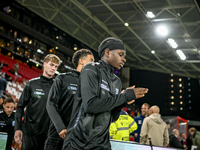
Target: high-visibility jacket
{"type": "Point", "coordinates": [121, 129]}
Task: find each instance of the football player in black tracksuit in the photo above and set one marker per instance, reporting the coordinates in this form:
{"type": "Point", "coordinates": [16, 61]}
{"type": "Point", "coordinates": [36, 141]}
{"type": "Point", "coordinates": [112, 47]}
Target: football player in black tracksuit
{"type": "Point", "coordinates": [60, 100]}
{"type": "Point", "coordinates": [7, 120]}
{"type": "Point", "coordinates": [100, 99]}
{"type": "Point", "coordinates": [33, 131]}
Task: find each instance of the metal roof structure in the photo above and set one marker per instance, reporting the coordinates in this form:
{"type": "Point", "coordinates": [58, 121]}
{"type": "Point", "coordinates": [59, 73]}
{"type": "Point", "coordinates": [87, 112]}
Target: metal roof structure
{"type": "Point", "coordinates": [90, 21]}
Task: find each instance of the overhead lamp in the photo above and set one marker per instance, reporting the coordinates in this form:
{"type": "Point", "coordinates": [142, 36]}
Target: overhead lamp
{"type": "Point", "coordinates": [56, 47]}
{"type": "Point", "coordinates": [181, 54]}
{"type": "Point", "coordinates": [153, 52]}
{"type": "Point", "coordinates": [126, 24]}
{"type": "Point", "coordinates": [162, 30]}
{"type": "Point", "coordinates": [150, 14]}
{"type": "Point", "coordinates": [172, 43]}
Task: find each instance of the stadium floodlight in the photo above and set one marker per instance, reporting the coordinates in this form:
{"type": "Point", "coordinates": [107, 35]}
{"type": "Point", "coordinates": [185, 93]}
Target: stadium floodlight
{"type": "Point", "coordinates": [162, 30]}
{"type": "Point", "coordinates": [126, 24]}
{"type": "Point", "coordinates": [172, 43]}
{"type": "Point", "coordinates": [150, 14]}
{"type": "Point", "coordinates": [181, 54]}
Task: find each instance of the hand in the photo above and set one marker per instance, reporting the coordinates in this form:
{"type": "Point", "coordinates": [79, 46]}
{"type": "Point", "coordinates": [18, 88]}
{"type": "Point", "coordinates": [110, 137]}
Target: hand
{"type": "Point", "coordinates": [135, 135]}
{"type": "Point", "coordinates": [18, 136]}
{"type": "Point", "coordinates": [63, 133]}
{"type": "Point", "coordinates": [139, 92]}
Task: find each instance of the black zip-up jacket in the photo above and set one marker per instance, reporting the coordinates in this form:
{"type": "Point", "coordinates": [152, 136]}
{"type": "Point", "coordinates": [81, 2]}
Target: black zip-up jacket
{"type": "Point", "coordinates": [7, 125]}
{"type": "Point", "coordinates": [59, 103]}
{"type": "Point", "coordinates": [34, 98]}
{"type": "Point", "coordinates": [102, 102]}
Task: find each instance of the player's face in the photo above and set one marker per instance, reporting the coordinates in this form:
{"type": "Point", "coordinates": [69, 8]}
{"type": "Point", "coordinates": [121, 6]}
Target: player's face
{"type": "Point", "coordinates": [117, 58]}
{"type": "Point", "coordinates": [8, 108]}
{"type": "Point", "coordinates": [88, 59]}
{"type": "Point", "coordinates": [145, 110]}
{"type": "Point", "coordinates": [50, 69]}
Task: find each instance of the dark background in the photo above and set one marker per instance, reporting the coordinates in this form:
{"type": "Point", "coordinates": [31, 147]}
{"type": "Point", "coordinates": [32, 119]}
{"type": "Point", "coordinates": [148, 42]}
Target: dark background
{"type": "Point", "coordinates": [159, 94]}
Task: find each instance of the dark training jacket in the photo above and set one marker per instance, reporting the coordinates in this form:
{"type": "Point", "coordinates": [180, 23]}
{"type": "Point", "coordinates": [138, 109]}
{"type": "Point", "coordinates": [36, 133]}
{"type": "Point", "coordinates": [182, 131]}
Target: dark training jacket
{"type": "Point", "coordinates": [100, 104]}
{"type": "Point", "coordinates": [34, 98]}
{"type": "Point", "coordinates": [59, 103]}
{"type": "Point", "coordinates": [7, 125]}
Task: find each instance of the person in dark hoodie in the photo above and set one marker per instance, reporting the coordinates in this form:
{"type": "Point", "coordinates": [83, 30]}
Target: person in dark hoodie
{"type": "Point", "coordinates": [155, 128]}
{"type": "Point", "coordinates": [33, 131]}
{"type": "Point", "coordinates": [100, 99]}
{"type": "Point", "coordinates": [60, 100]}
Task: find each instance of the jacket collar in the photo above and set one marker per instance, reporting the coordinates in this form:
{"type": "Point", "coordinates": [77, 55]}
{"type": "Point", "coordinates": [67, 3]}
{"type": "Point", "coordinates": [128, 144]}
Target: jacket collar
{"type": "Point", "coordinates": [75, 72]}
{"type": "Point", "coordinates": [107, 66]}
{"type": "Point", "coordinates": [45, 78]}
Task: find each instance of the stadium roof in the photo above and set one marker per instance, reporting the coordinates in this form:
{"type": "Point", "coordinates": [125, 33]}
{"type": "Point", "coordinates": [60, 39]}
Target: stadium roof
{"type": "Point", "coordinates": [137, 24]}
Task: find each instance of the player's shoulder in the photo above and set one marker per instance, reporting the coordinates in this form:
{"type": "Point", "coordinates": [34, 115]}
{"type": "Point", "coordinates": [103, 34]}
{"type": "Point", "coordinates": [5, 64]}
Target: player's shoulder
{"type": "Point", "coordinates": [93, 66]}
{"type": "Point", "coordinates": [1, 111]}
{"type": "Point", "coordinates": [34, 79]}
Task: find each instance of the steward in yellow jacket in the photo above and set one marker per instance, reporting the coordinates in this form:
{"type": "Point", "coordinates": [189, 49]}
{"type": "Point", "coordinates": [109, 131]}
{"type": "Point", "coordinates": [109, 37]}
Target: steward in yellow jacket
{"type": "Point", "coordinates": [121, 129]}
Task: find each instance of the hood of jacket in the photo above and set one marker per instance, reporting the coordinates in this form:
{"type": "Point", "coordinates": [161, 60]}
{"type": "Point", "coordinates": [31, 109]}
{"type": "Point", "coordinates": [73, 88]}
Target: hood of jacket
{"type": "Point", "coordinates": [156, 118]}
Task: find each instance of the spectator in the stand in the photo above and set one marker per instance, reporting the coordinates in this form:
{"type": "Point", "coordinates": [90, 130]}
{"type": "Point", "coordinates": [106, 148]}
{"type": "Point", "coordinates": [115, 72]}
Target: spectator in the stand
{"type": "Point", "coordinates": [1, 65]}
{"type": "Point", "coordinates": [139, 120]}
{"type": "Point", "coordinates": [183, 140]}
{"type": "Point", "coordinates": [7, 118]}
{"type": "Point", "coordinates": [16, 67]}
{"type": "Point", "coordinates": [6, 64]}
{"type": "Point", "coordinates": [154, 129]}
{"type": "Point", "coordinates": [8, 78]}
{"type": "Point", "coordinates": [3, 84]}
{"type": "Point", "coordinates": [173, 140]}
{"type": "Point", "coordinates": [121, 129]}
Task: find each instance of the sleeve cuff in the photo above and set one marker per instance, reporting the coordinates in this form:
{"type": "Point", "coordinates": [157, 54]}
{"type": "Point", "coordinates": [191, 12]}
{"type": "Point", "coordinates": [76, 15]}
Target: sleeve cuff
{"type": "Point", "coordinates": [130, 94]}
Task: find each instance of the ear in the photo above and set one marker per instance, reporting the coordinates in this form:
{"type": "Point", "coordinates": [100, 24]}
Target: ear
{"type": "Point", "coordinates": [80, 62]}
{"type": "Point", "coordinates": [107, 52]}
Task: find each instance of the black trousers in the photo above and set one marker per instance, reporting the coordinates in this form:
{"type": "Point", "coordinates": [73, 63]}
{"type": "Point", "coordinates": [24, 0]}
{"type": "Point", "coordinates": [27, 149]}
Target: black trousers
{"type": "Point", "coordinates": [33, 142]}
{"type": "Point", "coordinates": [53, 146]}
{"type": "Point", "coordinates": [68, 147]}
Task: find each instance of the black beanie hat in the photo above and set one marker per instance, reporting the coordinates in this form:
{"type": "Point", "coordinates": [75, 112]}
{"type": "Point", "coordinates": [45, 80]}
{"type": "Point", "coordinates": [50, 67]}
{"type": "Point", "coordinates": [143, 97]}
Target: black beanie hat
{"type": "Point", "coordinates": [110, 43]}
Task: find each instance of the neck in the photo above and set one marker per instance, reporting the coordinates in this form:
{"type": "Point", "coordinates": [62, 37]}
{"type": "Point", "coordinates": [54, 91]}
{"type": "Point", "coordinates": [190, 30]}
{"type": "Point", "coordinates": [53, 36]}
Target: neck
{"type": "Point", "coordinates": [79, 68]}
{"type": "Point", "coordinates": [46, 75]}
{"type": "Point", "coordinates": [104, 58]}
